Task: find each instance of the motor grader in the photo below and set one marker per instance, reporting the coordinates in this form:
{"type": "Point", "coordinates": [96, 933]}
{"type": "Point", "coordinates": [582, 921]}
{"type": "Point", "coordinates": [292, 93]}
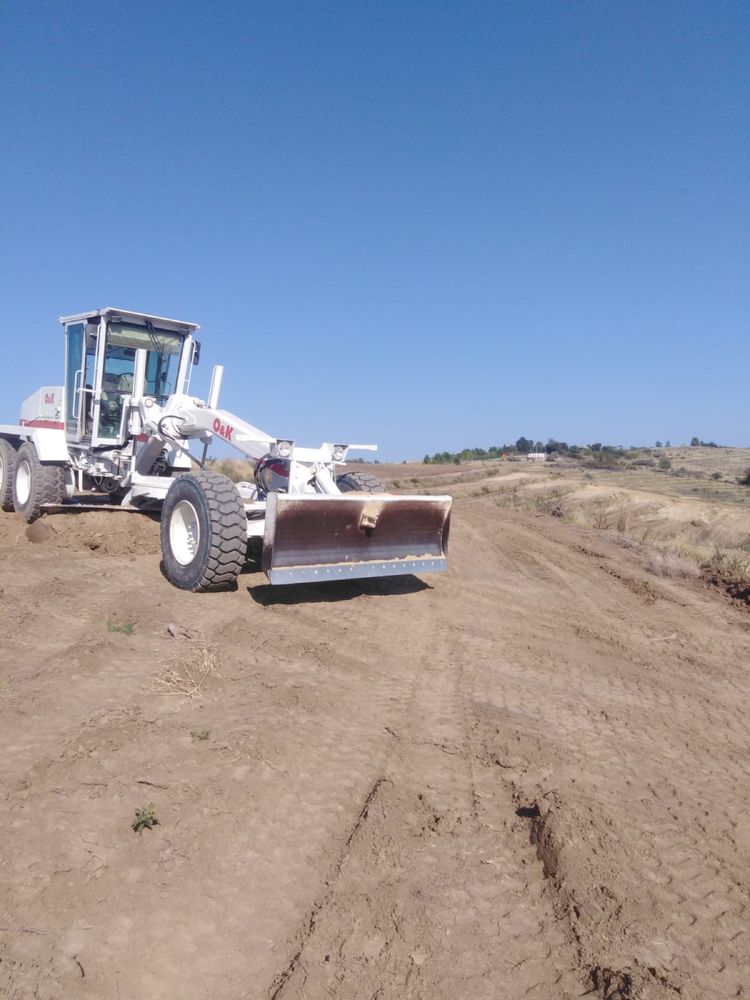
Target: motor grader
{"type": "Point", "coordinates": [118, 433]}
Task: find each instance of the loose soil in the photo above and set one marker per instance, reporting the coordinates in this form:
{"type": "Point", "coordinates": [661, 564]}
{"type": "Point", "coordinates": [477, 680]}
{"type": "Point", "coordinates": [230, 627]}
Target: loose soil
{"type": "Point", "coordinates": [525, 778]}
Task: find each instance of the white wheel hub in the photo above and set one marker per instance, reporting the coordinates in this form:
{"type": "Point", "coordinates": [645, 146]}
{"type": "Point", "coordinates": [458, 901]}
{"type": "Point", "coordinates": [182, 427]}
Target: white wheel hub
{"type": "Point", "coordinates": [184, 532]}
{"type": "Point", "coordinates": [23, 481]}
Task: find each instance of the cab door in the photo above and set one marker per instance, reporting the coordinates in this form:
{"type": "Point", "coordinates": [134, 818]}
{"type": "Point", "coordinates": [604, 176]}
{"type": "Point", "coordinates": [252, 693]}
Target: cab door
{"type": "Point", "coordinates": [75, 347]}
{"type": "Point", "coordinates": [80, 367]}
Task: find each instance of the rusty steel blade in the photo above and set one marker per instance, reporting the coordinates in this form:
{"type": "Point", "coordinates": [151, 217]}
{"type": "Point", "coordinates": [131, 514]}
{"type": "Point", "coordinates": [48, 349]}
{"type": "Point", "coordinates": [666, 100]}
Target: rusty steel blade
{"type": "Point", "coordinates": [315, 538]}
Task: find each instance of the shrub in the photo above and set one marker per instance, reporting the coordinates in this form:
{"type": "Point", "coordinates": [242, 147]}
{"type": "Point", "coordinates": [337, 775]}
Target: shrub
{"type": "Point", "coordinates": [672, 564]}
{"type": "Point", "coordinates": [665, 463]}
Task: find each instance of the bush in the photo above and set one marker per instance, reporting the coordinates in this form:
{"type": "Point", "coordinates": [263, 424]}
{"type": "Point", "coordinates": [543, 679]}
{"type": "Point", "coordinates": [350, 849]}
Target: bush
{"type": "Point", "coordinates": [672, 564]}
{"type": "Point", "coordinates": [665, 463]}
{"type": "Point", "coordinates": [745, 480]}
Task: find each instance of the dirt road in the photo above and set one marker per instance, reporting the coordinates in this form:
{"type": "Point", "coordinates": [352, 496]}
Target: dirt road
{"type": "Point", "coordinates": [525, 778]}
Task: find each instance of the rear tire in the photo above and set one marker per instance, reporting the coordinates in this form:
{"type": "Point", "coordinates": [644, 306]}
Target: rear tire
{"type": "Point", "coordinates": [203, 532]}
{"type": "Point", "coordinates": [359, 482]}
{"type": "Point", "coordinates": [7, 472]}
{"type": "Point", "coordinates": [35, 483]}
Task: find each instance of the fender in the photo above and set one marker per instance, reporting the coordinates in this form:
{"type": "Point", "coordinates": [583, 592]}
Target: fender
{"type": "Point", "coordinates": [49, 442]}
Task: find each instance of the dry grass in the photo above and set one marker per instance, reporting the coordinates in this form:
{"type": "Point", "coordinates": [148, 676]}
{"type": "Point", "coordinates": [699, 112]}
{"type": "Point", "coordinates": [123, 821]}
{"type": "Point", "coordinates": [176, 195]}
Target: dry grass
{"type": "Point", "coordinates": [672, 564]}
{"type": "Point", "coordinates": [188, 673]}
{"type": "Point", "coordinates": [238, 470]}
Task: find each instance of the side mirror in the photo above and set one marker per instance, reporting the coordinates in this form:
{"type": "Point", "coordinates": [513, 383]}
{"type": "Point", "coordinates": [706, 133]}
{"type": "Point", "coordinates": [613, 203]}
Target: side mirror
{"type": "Point", "coordinates": [196, 351]}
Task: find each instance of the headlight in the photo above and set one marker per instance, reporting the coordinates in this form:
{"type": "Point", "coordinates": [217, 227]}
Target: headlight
{"type": "Point", "coordinates": [339, 452]}
{"type": "Point", "coordinates": [284, 448]}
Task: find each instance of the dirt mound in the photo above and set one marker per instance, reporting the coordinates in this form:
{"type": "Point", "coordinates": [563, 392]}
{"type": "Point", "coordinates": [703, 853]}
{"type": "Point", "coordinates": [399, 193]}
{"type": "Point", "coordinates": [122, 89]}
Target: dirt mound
{"type": "Point", "coordinates": [112, 533]}
{"type": "Point", "coordinates": [738, 588]}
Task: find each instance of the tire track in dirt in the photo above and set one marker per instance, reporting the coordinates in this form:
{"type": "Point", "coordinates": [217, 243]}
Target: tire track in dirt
{"type": "Point", "coordinates": [652, 882]}
{"type": "Point", "coordinates": [430, 897]}
{"type": "Point", "coordinates": [321, 744]}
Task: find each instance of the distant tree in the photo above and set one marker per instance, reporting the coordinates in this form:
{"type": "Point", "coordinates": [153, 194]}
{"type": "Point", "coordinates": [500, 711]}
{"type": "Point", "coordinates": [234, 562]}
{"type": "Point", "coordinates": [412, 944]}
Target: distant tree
{"type": "Point", "coordinates": [596, 447]}
{"type": "Point", "coordinates": [658, 445]}
{"type": "Point", "coordinates": [427, 460]}
{"type": "Point", "coordinates": [695, 442]}
{"type": "Point", "coordinates": [539, 446]}
{"type": "Point", "coordinates": [524, 445]}
{"type": "Point", "coordinates": [668, 444]}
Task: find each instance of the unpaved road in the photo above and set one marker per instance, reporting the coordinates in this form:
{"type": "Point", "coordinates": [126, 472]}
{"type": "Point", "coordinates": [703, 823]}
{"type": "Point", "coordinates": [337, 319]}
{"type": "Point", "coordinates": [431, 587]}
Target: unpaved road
{"type": "Point", "coordinates": [526, 778]}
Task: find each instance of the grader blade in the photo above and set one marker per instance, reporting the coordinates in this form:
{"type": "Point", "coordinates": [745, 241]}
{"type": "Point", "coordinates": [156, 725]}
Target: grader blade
{"type": "Point", "coordinates": [311, 539]}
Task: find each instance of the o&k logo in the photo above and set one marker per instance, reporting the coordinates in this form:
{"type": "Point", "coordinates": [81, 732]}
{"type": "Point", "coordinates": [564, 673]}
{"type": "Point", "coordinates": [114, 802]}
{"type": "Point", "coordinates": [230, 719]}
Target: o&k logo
{"type": "Point", "coordinates": [223, 430]}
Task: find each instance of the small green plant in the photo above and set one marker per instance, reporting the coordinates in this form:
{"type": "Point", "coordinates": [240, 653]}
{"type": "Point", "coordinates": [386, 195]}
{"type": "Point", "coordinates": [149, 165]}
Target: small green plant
{"type": "Point", "coordinates": [145, 818]}
{"type": "Point", "coordinates": [200, 735]}
{"type": "Point", "coordinates": [127, 629]}
{"type": "Point", "coordinates": [665, 463]}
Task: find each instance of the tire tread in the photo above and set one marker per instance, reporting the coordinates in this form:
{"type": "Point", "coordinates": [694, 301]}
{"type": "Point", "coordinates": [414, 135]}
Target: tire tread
{"type": "Point", "coordinates": [359, 482]}
{"type": "Point", "coordinates": [228, 525]}
{"type": "Point", "coordinates": [8, 456]}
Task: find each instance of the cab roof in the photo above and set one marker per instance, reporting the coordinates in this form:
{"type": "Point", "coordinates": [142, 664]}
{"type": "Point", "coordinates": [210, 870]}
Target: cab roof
{"type": "Point", "coordinates": [114, 315]}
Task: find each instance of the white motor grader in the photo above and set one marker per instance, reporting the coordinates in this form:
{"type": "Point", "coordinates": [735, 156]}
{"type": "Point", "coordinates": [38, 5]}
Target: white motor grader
{"type": "Point", "coordinates": [121, 427]}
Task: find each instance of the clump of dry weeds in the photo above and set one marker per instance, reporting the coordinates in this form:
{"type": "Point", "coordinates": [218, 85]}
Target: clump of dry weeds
{"type": "Point", "coordinates": [189, 671]}
{"type": "Point", "coordinates": [672, 564]}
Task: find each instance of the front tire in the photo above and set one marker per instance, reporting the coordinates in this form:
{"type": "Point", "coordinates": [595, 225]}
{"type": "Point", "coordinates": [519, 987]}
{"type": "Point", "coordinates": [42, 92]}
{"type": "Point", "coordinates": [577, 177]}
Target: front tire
{"type": "Point", "coordinates": [359, 482]}
{"type": "Point", "coordinates": [35, 483]}
{"type": "Point", "coordinates": [7, 472]}
{"type": "Point", "coordinates": [203, 532]}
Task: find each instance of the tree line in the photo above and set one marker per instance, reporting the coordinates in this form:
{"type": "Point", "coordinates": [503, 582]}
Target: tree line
{"type": "Point", "coordinates": [524, 446]}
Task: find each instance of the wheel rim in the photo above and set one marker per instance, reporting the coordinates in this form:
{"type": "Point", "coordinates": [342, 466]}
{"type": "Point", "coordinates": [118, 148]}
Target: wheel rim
{"type": "Point", "coordinates": [184, 532]}
{"type": "Point", "coordinates": [23, 481]}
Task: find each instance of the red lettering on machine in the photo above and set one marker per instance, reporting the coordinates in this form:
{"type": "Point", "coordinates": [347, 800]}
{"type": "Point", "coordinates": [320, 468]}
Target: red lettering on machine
{"type": "Point", "coordinates": [223, 430]}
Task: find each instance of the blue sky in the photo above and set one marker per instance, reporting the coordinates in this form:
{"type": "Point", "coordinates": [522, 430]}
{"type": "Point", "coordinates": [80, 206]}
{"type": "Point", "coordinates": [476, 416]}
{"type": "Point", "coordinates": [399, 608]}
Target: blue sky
{"type": "Point", "coordinates": [429, 225]}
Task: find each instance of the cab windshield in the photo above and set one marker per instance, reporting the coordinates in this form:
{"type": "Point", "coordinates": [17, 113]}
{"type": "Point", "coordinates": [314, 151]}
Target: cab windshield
{"type": "Point", "coordinates": [162, 368]}
{"type": "Point", "coordinates": [164, 350]}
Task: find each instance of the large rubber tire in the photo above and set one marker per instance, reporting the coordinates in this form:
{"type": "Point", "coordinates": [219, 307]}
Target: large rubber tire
{"type": "Point", "coordinates": [35, 483]}
{"type": "Point", "coordinates": [203, 532]}
{"type": "Point", "coordinates": [7, 471]}
{"type": "Point", "coordinates": [359, 482]}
